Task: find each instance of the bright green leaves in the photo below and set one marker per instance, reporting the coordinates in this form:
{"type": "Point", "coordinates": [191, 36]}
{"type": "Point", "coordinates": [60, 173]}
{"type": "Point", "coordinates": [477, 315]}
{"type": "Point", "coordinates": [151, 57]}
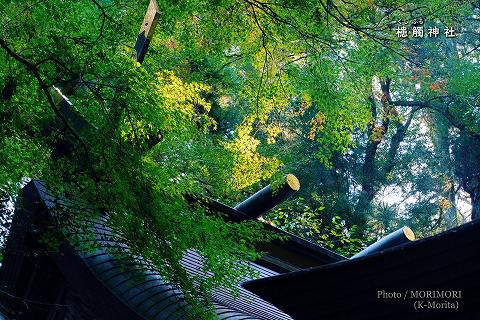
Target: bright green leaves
{"type": "Point", "coordinates": [170, 107]}
{"type": "Point", "coordinates": [312, 222]}
{"type": "Point", "coordinates": [188, 98]}
{"type": "Point", "coordinates": [230, 94]}
{"type": "Point", "coordinates": [150, 139]}
{"type": "Point", "coordinates": [250, 166]}
{"type": "Point", "coordinates": [468, 100]}
{"type": "Point", "coordinates": [21, 157]}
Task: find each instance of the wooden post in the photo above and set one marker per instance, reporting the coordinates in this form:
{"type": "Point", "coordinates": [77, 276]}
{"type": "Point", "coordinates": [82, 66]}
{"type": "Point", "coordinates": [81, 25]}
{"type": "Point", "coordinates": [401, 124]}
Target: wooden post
{"type": "Point", "coordinates": [266, 199]}
{"type": "Point", "coordinates": [146, 31]}
{"type": "Point", "coordinates": [402, 235]}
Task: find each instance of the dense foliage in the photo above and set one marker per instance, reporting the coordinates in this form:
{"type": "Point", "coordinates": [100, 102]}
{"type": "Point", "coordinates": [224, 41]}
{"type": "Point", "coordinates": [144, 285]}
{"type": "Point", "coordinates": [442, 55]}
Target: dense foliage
{"type": "Point", "coordinates": [232, 94]}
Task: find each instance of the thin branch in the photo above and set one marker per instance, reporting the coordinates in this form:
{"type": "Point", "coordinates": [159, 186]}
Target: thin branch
{"type": "Point", "coordinates": [24, 300]}
{"type": "Point", "coordinates": [22, 11]}
{"type": "Point", "coordinates": [104, 17]}
{"type": "Point", "coordinates": [346, 23]}
{"type": "Point", "coordinates": [226, 64]}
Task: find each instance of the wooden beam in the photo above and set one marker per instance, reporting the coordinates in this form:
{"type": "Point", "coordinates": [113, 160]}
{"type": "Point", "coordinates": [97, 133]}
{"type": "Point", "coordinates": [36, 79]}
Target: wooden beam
{"type": "Point", "coordinates": [68, 111]}
{"type": "Point", "coordinates": [64, 145]}
{"type": "Point", "coordinates": [146, 31]}
{"type": "Point", "coordinates": [401, 236]}
{"type": "Point", "coordinates": [267, 198]}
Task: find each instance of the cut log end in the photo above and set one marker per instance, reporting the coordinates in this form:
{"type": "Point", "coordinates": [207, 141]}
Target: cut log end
{"type": "Point", "coordinates": [292, 182]}
{"type": "Point", "coordinates": [396, 238]}
{"type": "Point", "coordinates": [408, 233]}
{"type": "Point", "coordinates": [266, 199]}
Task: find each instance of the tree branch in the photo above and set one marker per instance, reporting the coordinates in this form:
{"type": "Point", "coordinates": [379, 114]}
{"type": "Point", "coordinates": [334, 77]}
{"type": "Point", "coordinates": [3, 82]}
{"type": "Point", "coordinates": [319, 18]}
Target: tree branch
{"type": "Point", "coordinates": [32, 68]}
{"type": "Point", "coordinates": [362, 30]}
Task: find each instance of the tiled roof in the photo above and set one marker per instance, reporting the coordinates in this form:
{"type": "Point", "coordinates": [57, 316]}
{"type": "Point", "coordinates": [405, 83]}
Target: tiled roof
{"type": "Point", "coordinates": [353, 289]}
{"type": "Point", "coordinates": [147, 297]}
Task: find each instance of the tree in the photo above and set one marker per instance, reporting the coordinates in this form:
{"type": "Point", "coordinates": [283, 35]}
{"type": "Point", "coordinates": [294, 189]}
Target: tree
{"type": "Point", "coordinates": [409, 110]}
{"type": "Point", "coordinates": [141, 138]}
{"type": "Point", "coordinates": [232, 93]}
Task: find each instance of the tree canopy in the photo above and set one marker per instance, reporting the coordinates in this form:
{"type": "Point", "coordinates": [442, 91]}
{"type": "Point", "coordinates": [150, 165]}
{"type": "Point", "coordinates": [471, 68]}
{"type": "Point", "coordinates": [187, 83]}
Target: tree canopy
{"type": "Point", "coordinates": [381, 130]}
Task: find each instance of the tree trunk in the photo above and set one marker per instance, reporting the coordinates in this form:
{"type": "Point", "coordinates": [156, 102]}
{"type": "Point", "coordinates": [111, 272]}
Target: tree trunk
{"type": "Point", "coordinates": [475, 199]}
{"type": "Point", "coordinates": [441, 143]}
